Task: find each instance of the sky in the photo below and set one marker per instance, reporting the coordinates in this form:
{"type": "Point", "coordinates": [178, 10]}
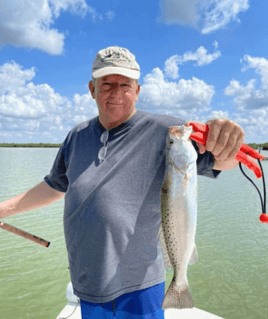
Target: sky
{"type": "Point", "coordinates": [199, 60]}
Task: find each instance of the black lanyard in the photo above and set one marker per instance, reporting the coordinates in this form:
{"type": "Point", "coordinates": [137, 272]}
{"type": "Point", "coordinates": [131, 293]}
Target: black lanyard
{"type": "Point", "coordinates": [263, 217]}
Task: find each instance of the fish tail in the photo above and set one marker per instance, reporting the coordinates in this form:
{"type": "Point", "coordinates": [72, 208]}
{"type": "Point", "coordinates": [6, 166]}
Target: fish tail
{"type": "Point", "coordinates": [178, 297]}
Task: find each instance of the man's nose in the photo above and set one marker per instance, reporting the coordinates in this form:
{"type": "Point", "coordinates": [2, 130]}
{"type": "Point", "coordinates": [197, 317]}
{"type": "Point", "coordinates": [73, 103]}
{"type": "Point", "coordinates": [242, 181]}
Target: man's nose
{"type": "Point", "coordinates": [116, 90]}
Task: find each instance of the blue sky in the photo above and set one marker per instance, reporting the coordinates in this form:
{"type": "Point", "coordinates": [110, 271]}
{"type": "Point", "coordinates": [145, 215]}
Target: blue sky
{"type": "Point", "coordinates": [199, 60]}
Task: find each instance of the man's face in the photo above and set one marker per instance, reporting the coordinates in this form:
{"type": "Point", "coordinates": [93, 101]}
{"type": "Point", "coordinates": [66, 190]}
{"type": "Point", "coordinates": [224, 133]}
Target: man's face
{"type": "Point", "coordinates": [115, 96]}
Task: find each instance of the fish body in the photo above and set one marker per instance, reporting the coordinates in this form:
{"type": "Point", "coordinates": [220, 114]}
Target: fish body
{"type": "Point", "coordinates": [179, 215]}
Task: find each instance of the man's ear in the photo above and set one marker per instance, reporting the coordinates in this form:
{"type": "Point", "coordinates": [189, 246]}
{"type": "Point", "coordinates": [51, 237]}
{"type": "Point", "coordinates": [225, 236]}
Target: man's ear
{"type": "Point", "coordinates": [91, 89]}
{"type": "Point", "coordinates": [138, 92]}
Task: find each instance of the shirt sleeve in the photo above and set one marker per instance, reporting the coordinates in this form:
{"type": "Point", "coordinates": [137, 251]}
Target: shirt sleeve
{"type": "Point", "coordinates": [57, 178]}
{"type": "Point", "coordinates": [205, 163]}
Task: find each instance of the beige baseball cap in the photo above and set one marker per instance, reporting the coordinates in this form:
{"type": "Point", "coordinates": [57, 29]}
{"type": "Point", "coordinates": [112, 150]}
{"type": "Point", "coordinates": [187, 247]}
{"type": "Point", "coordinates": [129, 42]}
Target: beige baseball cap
{"type": "Point", "coordinates": [115, 60]}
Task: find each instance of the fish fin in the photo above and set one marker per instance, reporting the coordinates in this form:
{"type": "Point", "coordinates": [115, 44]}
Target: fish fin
{"type": "Point", "coordinates": [194, 257]}
{"type": "Point", "coordinates": [178, 297]}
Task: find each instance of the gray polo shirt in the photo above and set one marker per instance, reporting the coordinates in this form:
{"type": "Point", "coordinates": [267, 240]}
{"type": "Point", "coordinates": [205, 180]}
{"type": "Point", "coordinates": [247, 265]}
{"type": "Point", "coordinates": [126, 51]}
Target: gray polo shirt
{"type": "Point", "coordinates": [112, 210]}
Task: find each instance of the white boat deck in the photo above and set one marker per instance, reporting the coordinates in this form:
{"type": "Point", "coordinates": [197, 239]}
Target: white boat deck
{"type": "Point", "coordinates": [73, 311]}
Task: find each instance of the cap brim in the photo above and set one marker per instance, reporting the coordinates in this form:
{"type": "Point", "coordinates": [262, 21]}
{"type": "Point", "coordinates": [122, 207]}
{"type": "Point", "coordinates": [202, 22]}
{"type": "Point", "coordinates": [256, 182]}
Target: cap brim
{"type": "Point", "coordinates": [133, 74]}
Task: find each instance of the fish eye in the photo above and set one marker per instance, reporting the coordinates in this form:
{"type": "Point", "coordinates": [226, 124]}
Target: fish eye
{"type": "Point", "coordinates": [171, 141]}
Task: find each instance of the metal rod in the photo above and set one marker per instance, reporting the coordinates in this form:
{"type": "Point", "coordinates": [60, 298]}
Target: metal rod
{"type": "Point", "coordinates": [22, 233]}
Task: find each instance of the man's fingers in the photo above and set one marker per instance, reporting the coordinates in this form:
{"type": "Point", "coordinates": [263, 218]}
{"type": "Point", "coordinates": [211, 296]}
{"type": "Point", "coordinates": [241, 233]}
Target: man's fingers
{"type": "Point", "coordinates": [213, 134]}
{"type": "Point", "coordinates": [237, 147]}
{"type": "Point", "coordinates": [224, 140]}
{"type": "Point", "coordinates": [228, 144]}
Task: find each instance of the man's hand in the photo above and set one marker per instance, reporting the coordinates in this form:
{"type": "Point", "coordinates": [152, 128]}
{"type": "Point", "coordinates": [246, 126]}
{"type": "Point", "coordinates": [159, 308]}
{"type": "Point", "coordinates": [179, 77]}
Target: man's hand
{"type": "Point", "coordinates": [225, 138]}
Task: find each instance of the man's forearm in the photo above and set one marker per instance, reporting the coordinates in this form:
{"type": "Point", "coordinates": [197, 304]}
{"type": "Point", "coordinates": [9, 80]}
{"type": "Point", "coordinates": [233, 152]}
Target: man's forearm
{"type": "Point", "coordinates": [39, 196]}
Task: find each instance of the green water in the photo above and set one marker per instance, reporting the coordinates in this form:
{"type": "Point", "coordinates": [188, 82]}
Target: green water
{"type": "Point", "coordinates": [229, 280]}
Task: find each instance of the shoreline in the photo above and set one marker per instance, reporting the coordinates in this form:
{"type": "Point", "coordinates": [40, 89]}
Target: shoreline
{"type": "Point", "coordinates": [36, 145]}
{"type": "Point", "coordinates": [48, 145]}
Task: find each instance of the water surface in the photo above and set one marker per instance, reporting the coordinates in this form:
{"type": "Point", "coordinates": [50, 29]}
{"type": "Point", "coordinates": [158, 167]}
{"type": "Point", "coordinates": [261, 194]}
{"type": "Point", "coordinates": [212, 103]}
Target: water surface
{"type": "Point", "coordinates": [230, 278]}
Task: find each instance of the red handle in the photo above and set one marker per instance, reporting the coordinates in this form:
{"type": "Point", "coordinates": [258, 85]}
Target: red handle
{"type": "Point", "coordinates": [201, 134]}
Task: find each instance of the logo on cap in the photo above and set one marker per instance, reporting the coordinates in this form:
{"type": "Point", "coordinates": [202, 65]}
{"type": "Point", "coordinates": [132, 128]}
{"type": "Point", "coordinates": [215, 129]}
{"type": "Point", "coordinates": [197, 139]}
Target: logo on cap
{"type": "Point", "coordinates": [111, 56]}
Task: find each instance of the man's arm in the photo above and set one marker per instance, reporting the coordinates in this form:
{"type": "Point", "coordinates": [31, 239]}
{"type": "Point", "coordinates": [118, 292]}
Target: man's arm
{"type": "Point", "coordinates": [39, 196]}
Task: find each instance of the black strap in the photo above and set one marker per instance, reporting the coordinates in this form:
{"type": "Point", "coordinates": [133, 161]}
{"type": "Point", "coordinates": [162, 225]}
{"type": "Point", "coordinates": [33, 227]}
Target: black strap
{"type": "Point", "coordinates": [263, 203]}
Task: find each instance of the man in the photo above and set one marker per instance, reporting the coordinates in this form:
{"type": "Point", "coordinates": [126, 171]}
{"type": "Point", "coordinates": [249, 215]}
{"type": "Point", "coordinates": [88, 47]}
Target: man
{"type": "Point", "coordinates": [112, 168]}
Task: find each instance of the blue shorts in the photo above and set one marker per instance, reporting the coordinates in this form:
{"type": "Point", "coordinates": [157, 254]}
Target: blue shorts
{"type": "Point", "coordinates": [141, 304]}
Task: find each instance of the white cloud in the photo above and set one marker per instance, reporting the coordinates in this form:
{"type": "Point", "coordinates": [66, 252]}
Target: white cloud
{"type": "Point", "coordinates": [110, 15]}
{"type": "Point", "coordinates": [221, 12]}
{"type": "Point", "coordinates": [37, 110]}
{"type": "Point", "coordinates": [254, 123]}
{"type": "Point", "coordinates": [215, 44]}
{"type": "Point", "coordinates": [200, 56]}
{"type": "Point", "coordinates": [184, 98]}
{"type": "Point", "coordinates": [30, 111]}
{"type": "Point", "coordinates": [261, 67]}
{"type": "Point", "coordinates": [12, 77]}
{"type": "Point", "coordinates": [74, 6]}
{"type": "Point", "coordinates": [80, 109]}
{"type": "Point", "coordinates": [20, 99]}
{"type": "Point", "coordinates": [171, 67]}
{"type": "Point", "coordinates": [251, 103]}
{"type": "Point", "coordinates": [28, 23]}
{"type": "Point", "coordinates": [248, 97]}
{"type": "Point", "coordinates": [219, 115]}
{"type": "Point", "coordinates": [210, 15]}
{"type": "Point", "coordinates": [191, 99]}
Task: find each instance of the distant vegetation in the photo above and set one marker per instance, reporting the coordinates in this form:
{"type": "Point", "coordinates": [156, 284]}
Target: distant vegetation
{"type": "Point", "coordinates": [253, 145]}
{"type": "Point", "coordinates": [29, 145]}
{"type": "Point", "coordinates": [256, 146]}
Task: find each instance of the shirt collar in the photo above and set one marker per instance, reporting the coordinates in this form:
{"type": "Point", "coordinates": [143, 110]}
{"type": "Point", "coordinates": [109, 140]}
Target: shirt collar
{"type": "Point", "coordinates": [122, 127]}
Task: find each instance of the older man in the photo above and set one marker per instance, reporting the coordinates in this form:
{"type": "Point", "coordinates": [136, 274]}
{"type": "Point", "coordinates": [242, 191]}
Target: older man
{"type": "Point", "coordinates": [111, 169]}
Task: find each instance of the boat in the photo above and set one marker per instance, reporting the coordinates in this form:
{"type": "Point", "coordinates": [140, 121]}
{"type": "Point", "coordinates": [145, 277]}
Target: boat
{"type": "Point", "coordinates": [72, 310]}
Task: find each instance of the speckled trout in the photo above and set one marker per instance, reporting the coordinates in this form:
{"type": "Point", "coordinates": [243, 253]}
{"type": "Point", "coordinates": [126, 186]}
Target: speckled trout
{"type": "Point", "coordinates": [179, 215]}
